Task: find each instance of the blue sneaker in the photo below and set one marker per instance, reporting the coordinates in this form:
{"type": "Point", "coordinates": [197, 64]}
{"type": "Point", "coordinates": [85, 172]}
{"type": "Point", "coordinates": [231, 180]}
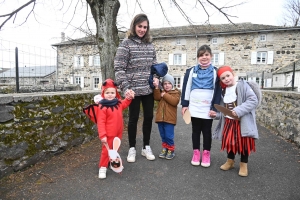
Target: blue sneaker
{"type": "Point", "coordinates": [163, 153]}
{"type": "Point", "coordinates": [170, 155]}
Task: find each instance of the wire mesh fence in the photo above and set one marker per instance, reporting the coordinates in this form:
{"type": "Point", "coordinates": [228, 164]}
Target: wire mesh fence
{"type": "Point", "coordinates": [36, 65]}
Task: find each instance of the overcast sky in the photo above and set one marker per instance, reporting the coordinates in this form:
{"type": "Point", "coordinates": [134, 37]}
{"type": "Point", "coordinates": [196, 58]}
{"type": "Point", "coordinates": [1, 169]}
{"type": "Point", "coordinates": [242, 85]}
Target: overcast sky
{"type": "Point", "coordinates": [46, 26]}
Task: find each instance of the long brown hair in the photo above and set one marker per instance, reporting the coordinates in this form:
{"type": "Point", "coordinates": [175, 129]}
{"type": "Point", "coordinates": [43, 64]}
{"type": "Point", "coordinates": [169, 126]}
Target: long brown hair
{"type": "Point", "coordinates": [139, 18]}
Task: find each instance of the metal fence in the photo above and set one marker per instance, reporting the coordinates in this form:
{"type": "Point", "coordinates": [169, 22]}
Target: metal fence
{"type": "Point", "coordinates": [26, 65]}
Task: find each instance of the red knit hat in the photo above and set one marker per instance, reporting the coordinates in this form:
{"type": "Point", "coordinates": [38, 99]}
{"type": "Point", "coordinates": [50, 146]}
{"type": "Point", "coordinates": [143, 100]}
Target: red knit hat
{"type": "Point", "coordinates": [221, 70]}
{"type": "Point", "coordinates": [109, 83]}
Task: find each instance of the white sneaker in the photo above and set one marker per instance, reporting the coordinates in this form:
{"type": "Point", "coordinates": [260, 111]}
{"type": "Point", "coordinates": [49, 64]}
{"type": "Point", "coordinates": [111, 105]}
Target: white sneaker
{"type": "Point", "coordinates": [131, 155]}
{"type": "Point", "coordinates": [102, 172]}
{"type": "Point", "coordinates": [147, 152]}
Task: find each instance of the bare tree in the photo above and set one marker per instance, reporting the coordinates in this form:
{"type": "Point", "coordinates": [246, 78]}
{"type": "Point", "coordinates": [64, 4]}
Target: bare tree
{"type": "Point", "coordinates": [105, 13]}
{"type": "Point", "coordinates": [105, 16]}
{"type": "Point", "coordinates": [292, 13]}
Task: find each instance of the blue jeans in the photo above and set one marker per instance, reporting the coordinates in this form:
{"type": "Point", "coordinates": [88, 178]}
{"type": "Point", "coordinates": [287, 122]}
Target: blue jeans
{"type": "Point", "coordinates": [166, 131]}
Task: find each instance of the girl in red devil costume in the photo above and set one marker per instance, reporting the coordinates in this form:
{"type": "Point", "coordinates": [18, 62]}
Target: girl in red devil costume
{"type": "Point", "coordinates": [108, 115]}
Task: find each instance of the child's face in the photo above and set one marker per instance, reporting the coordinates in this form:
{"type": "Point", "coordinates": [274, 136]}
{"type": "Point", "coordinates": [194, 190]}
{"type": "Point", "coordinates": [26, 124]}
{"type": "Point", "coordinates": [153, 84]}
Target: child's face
{"type": "Point", "coordinates": [227, 78]}
{"type": "Point", "coordinates": [167, 86]}
{"type": "Point", "coordinates": [110, 93]}
{"type": "Point", "coordinates": [205, 58]}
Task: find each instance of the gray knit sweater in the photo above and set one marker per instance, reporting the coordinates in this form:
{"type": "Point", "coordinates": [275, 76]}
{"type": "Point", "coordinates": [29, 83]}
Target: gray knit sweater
{"type": "Point", "coordinates": [132, 64]}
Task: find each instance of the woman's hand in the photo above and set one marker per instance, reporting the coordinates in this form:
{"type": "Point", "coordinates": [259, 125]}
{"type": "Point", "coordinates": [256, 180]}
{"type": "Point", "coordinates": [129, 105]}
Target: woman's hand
{"type": "Point", "coordinates": [155, 82]}
{"type": "Point", "coordinates": [129, 94]}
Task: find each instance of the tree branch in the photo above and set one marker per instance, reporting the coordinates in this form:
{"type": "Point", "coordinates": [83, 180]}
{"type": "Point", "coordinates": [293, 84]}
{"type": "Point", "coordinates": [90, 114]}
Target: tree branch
{"type": "Point", "coordinates": [14, 13]}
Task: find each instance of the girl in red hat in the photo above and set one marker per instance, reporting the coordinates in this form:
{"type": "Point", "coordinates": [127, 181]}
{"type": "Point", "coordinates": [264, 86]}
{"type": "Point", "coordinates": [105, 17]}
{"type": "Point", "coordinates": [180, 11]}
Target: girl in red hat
{"type": "Point", "coordinates": [237, 129]}
{"type": "Point", "coordinates": [109, 119]}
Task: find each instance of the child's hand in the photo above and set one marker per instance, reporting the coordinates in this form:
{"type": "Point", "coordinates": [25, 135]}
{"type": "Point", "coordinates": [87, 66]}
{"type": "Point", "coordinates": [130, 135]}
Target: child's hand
{"type": "Point", "coordinates": [162, 94]}
{"type": "Point", "coordinates": [234, 113]}
{"type": "Point", "coordinates": [104, 140]}
{"type": "Point", "coordinates": [97, 98]}
{"type": "Point", "coordinates": [183, 110]}
{"type": "Point", "coordinates": [212, 113]}
{"type": "Point", "coordinates": [155, 82]}
{"type": "Point", "coordinates": [129, 94]}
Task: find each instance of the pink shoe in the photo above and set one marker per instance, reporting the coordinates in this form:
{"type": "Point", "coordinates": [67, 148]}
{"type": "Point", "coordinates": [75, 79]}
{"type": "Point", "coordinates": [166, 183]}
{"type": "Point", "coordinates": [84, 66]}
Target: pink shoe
{"type": "Point", "coordinates": [205, 159]}
{"type": "Point", "coordinates": [196, 157]}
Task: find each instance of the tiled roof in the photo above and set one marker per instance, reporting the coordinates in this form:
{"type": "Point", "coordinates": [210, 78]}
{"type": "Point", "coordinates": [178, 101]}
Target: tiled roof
{"type": "Point", "coordinates": [192, 30]}
{"type": "Point", "coordinates": [288, 68]}
{"type": "Point", "coordinates": [37, 71]}
{"type": "Point", "coordinates": [211, 29]}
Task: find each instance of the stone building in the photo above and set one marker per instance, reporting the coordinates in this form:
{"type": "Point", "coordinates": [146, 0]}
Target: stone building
{"type": "Point", "coordinates": [253, 50]}
{"type": "Point", "coordinates": [29, 76]}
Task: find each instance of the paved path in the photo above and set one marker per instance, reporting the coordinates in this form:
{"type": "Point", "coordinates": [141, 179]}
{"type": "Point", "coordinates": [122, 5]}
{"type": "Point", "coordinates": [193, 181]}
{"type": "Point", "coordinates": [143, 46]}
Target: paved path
{"type": "Point", "coordinates": [274, 173]}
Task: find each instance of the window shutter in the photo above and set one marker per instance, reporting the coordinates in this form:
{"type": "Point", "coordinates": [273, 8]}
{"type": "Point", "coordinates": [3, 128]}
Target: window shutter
{"type": "Point", "coordinates": [75, 61]}
{"type": "Point", "coordinates": [270, 57]}
{"type": "Point", "coordinates": [253, 57]}
{"type": "Point", "coordinates": [81, 61]}
{"type": "Point", "coordinates": [183, 57]}
{"type": "Point", "coordinates": [221, 58]}
{"type": "Point", "coordinates": [71, 80]}
{"type": "Point", "coordinates": [91, 61]}
{"type": "Point", "coordinates": [181, 81]}
{"type": "Point", "coordinates": [82, 82]}
{"type": "Point", "coordinates": [170, 59]}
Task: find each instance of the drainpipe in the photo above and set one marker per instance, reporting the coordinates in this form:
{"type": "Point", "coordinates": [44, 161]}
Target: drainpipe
{"type": "Point", "coordinates": [293, 77]}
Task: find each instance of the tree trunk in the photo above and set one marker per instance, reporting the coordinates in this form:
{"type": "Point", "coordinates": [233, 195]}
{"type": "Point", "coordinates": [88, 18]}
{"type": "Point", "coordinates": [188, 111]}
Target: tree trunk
{"type": "Point", "coordinates": [105, 15]}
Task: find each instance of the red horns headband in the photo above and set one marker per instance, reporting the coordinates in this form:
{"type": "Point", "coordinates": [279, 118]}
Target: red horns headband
{"type": "Point", "coordinates": [221, 70]}
{"type": "Point", "coordinates": [109, 83]}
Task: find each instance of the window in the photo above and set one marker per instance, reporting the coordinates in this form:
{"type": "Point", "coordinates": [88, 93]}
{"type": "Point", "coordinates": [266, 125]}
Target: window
{"type": "Point", "coordinates": [215, 59]}
{"type": "Point", "coordinates": [77, 80]}
{"type": "Point", "coordinates": [178, 42]}
{"type": "Point", "coordinates": [78, 61]}
{"type": "Point", "coordinates": [96, 60]}
{"type": "Point", "coordinates": [214, 40]}
{"type": "Point", "coordinates": [96, 82]}
{"type": "Point", "coordinates": [261, 57]}
{"type": "Point", "coordinates": [263, 37]}
{"type": "Point", "coordinates": [177, 59]}
{"type": "Point", "coordinates": [177, 82]}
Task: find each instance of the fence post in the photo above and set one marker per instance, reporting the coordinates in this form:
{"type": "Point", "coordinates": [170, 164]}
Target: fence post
{"type": "Point", "coordinates": [17, 69]}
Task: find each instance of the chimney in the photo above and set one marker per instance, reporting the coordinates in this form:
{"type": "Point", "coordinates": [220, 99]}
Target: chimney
{"type": "Point", "coordinates": [62, 36]}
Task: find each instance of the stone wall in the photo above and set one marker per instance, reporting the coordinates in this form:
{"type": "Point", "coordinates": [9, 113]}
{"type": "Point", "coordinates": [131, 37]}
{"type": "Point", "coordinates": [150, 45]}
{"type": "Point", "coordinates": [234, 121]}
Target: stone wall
{"type": "Point", "coordinates": [280, 112]}
{"type": "Point", "coordinates": [36, 126]}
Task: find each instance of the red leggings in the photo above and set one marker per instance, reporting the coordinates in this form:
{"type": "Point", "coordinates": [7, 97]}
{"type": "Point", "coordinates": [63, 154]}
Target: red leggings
{"type": "Point", "coordinates": [104, 159]}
